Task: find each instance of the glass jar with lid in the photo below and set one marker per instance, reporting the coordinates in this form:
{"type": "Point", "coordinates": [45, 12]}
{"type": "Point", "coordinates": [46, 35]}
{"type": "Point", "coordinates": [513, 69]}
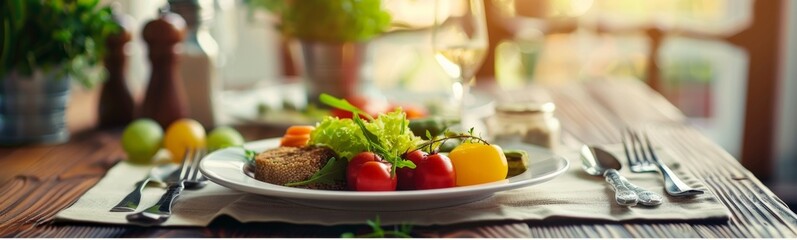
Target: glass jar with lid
{"type": "Point", "coordinates": [528, 122]}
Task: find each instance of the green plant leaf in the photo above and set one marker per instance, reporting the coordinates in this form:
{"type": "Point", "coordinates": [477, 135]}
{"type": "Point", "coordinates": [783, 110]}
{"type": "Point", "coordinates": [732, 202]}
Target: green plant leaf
{"type": "Point", "coordinates": [66, 36]}
{"type": "Point", "coordinates": [347, 235]}
{"type": "Point", "coordinates": [4, 51]}
{"type": "Point", "coordinates": [328, 21]}
{"type": "Point", "coordinates": [387, 137]}
{"type": "Point", "coordinates": [342, 104]}
{"type": "Point", "coordinates": [367, 133]}
{"type": "Point", "coordinates": [250, 155]}
{"type": "Point", "coordinates": [334, 171]}
{"type": "Point", "coordinates": [403, 231]}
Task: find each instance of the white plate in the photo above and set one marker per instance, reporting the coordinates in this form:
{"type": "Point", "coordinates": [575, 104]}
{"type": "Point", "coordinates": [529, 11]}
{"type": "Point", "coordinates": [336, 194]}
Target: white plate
{"type": "Point", "coordinates": [226, 167]}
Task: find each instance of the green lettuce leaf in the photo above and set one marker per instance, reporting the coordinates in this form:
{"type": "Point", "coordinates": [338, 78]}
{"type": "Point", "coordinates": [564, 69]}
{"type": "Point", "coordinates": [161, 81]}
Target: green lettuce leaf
{"type": "Point", "coordinates": [346, 138]}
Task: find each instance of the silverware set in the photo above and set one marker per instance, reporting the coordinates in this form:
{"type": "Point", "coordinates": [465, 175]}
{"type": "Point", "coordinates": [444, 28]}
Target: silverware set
{"type": "Point", "coordinates": [598, 162]}
{"type": "Point", "coordinates": [186, 176]}
{"type": "Point", "coordinates": [642, 158]}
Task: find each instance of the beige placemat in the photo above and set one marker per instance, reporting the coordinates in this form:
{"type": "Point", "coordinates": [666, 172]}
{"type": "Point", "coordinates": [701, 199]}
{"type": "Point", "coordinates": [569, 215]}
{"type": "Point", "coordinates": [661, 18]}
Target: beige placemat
{"type": "Point", "coordinates": [573, 194]}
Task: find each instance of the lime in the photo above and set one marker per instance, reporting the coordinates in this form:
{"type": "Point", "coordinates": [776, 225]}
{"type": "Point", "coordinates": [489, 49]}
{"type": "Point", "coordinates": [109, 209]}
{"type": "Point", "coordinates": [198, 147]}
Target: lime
{"type": "Point", "coordinates": [184, 134]}
{"type": "Point", "coordinates": [222, 137]}
{"type": "Point", "coordinates": [141, 140]}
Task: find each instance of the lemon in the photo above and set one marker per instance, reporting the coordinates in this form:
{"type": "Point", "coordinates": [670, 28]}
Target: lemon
{"type": "Point", "coordinates": [222, 137]}
{"type": "Point", "coordinates": [182, 135]}
{"type": "Point", "coordinates": [141, 140]}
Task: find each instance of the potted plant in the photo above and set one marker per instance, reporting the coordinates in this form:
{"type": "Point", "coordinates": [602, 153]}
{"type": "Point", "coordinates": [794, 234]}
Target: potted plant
{"type": "Point", "coordinates": [46, 43]}
{"type": "Point", "coordinates": [332, 37]}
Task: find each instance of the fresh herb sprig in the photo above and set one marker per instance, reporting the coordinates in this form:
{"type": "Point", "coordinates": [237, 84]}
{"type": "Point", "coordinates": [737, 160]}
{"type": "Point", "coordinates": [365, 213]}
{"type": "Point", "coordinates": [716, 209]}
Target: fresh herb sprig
{"type": "Point", "coordinates": [332, 172]}
{"type": "Point", "coordinates": [250, 155]}
{"type": "Point", "coordinates": [434, 143]}
{"type": "Point", "coordinates": [401, 231]}
{"type": "Point", "coordinates": [342, 104]}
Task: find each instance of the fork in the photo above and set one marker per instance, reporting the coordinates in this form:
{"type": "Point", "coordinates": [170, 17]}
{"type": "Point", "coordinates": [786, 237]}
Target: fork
{"type": "Point", "coordinates": [159, 174]}
{"type": "Point", "coordinates": [642, 158]}
{"type": "Point", "coordinates": [162, 210]}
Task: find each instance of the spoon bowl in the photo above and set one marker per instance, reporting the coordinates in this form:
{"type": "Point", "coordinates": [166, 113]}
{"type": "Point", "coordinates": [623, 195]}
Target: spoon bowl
{"type": "Point", "coordinates": [598, 162]}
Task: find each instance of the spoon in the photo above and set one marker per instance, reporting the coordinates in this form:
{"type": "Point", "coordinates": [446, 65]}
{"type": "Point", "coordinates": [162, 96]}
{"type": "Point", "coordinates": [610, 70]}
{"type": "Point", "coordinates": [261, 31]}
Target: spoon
{"type": "Point", "coordinates": [606, 161]}
{"type": "Point", "coordinates": [598, 162]}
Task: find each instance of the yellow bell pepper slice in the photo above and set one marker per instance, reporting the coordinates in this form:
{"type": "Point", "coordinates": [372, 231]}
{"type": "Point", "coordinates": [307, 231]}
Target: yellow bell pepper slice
{"type": "Point", "coordinates": [477, 163]}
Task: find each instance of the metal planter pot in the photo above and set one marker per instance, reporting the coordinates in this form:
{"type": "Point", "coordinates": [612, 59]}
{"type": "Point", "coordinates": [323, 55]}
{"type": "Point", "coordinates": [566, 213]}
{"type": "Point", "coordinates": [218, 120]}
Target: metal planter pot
{"type": "Point", "coordinates": [33, 108]}
{"type": "Point", "coordinates": [338, 69]}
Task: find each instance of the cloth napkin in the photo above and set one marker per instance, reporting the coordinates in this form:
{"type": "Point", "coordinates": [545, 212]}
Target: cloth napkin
{"type": "Point", "coordinates": [572, 195]}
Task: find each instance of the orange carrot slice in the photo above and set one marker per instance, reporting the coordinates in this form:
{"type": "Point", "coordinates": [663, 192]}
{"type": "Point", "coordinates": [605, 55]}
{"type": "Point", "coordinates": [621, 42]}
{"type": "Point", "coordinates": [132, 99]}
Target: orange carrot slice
{"type": "Point", "coordinates": [299, 130]}
{"type": "Point", "coordinates": [295, 140]}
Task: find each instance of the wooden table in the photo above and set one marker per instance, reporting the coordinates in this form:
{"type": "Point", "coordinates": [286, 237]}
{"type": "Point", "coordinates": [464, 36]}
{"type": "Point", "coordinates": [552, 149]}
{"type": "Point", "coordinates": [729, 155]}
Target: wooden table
{"type": "Point", "coordinates": [37, 182]}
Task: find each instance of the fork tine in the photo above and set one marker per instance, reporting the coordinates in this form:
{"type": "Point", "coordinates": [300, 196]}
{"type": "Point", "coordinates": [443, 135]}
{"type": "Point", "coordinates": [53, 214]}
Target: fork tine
{"type": "Point", "coordinates": [637, 148]}
{"type": "Point", "coordinates": [183, 166]}
{"type": "Point", "coordinates": [646, 149]}
{"type": "Point", "coordinates": [639, 152]}
{"type": "Point", "coordinates": [195, 159]}
{"type": "Point", "coordinates": [645, 154]}
{"type": "Point", "coordinates": [650, 147]}
{"type": "Point", "coordinates": [631, 161]}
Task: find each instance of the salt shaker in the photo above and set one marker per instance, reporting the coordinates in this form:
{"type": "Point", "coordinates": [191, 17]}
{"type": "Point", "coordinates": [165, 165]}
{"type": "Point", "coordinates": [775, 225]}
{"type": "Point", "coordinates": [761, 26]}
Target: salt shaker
{"type": "Point", "coordinates": [198, 60]}
{"type": "Point", "coordinates": [528, 122]}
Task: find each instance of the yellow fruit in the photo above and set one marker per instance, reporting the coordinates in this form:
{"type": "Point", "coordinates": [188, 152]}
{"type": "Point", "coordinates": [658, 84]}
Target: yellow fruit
{"type": "Point", "coordinates": [182, 135]}
{"type": "Point", "coordinates": [477, 163]}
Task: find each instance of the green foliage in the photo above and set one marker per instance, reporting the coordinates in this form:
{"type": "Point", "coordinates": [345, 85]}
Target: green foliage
{"type": "Point", "coordinates": [334, 171]}
{"type": "Point", "coordinates": [435, 143]}
{"type": "Point", "coordinates": [400, 231]}
{"type": "Point", "coordinates": [328, 20]}
{"type": "Point", "coordinates": [342, 104]}
{"type": "Point", "coordinates": [389, 150]}
{"type": "Point", "coordinates": [341, 135]}
{"type": "Point", "coordinates": [250, 156]}
{"type": "Point", "coordinates": [388, 135]}
{"type": "Point", "coordinates": [64, 35]}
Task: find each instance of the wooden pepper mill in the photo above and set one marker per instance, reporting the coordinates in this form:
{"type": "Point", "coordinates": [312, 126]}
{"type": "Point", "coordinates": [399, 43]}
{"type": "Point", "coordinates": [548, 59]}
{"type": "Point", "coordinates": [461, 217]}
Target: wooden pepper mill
{"type": "Point", "coordinates": [165, 100]}
{"type": "Point", "coordinates": [116, 106]}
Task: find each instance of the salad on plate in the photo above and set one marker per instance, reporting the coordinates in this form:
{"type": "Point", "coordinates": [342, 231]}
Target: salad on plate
{"type": "Point", "coordinates": [381, 153]}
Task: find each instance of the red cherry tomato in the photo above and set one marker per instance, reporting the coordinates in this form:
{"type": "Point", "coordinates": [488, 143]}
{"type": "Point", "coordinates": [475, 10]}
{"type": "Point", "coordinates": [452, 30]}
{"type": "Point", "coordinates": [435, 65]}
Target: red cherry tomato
{"type": "Point", "coordinates": [435, 172]}
{"type": "Point", "coordinates": [353, 168]}
{"type": "Point", "coordinates": [406, 176]}
{"type": "Point", "coordinates": [375, 176]}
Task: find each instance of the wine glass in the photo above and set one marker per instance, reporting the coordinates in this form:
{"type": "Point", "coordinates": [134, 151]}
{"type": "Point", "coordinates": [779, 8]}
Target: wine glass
{"type": "Point", "coordinates": [459, 40]}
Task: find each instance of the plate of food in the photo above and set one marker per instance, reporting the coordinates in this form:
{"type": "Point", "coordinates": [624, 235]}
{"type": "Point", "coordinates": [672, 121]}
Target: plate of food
{"type": "Point", "coordinates": [379, 164]}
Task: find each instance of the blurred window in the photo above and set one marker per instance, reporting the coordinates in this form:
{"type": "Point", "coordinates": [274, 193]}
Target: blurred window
{"type": "Point", "coordinates": [698, 70]}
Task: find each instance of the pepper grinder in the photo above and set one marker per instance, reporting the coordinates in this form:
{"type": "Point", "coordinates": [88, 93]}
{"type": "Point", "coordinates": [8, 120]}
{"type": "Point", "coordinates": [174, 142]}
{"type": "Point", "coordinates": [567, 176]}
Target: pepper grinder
{"type": "Point", "coordinates": [116, 106]}
{"type": "Point", "coordinates": [165, 100]}
{"type": "Point", "coordinates": [198, 60]}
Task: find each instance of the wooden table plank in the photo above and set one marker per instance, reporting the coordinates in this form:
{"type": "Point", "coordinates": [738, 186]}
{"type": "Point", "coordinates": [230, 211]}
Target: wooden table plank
{"type": "Point", "coordinates": [36, 182]}
{"type": "Point", "coordinates": [633, 104]}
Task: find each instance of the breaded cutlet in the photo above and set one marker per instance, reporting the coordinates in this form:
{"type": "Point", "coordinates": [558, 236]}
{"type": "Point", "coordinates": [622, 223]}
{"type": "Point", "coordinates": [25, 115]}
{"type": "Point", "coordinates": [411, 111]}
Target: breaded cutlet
{"type": "Point", "coordinates": [291, 164]}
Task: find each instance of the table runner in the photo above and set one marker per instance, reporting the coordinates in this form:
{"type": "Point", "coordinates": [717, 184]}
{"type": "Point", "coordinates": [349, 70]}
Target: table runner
{"type": "Point", "coordinates": [572, 195]}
